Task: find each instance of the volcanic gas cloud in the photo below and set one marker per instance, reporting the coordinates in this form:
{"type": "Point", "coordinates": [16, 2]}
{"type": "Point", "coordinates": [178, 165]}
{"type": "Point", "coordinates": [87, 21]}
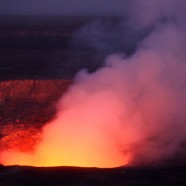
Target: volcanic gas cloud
{"type": "Point", "coordinates": [130, 111]}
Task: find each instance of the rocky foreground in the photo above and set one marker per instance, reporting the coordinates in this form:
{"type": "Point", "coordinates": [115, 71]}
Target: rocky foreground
{"type": "Point", "coordinates": [74, 176]}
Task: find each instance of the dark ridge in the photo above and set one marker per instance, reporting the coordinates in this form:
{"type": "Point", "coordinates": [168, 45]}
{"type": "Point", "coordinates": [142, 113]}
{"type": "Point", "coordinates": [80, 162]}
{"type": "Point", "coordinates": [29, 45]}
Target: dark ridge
{"type": "Point", "coordinates": [25, 175]}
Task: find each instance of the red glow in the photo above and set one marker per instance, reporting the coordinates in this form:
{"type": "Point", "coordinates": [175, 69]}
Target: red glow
{"type": "Point", "coordinates": [19, 137]}
{"type": "Point", "coordinates": [78, 137]}
{"type": "Point", "coordinates": [83, 151]}
{"type": "Point", "coordinates": [67, 144]}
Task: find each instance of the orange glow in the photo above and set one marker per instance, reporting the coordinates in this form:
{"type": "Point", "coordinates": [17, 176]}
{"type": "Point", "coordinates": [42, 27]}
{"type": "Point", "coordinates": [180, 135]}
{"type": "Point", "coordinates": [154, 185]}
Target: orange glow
{"type": "Point", "coordinates": [78, 137]}
{"type": "Point", "coordinates": [68, 147]}
{"type": "Point", "coordinates": [88, 150]}
{"type": "Point", "coordinates": [71, 157]}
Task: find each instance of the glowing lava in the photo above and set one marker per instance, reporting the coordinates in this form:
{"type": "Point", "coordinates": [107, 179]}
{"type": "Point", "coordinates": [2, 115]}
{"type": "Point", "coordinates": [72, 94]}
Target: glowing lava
{"type": "Point", "coordinates": [78, 137]}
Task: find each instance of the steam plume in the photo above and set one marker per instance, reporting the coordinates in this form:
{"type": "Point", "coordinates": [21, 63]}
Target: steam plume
{"type": "Point", "coordinates": [130, 111]}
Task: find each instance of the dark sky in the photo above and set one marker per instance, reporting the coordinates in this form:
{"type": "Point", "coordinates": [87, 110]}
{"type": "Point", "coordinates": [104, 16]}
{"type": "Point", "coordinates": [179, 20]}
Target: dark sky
{"type": "Point", "coordinates": [62, 7]}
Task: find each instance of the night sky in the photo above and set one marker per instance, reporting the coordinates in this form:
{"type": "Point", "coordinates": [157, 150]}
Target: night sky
{"type": "Point", "coordinates": [62, 7]}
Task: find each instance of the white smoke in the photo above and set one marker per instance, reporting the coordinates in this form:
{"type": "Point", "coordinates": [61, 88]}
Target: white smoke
{"type": "Point", "coordinates": [149, 86]}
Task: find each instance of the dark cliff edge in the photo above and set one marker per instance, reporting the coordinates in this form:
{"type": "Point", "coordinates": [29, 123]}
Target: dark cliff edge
{"type": "Point", "coordinates": [17, 175]}
{"type": "Point", "coordinates": [20, 99]}
{"type": "Point", "coordinates": [25, 107]}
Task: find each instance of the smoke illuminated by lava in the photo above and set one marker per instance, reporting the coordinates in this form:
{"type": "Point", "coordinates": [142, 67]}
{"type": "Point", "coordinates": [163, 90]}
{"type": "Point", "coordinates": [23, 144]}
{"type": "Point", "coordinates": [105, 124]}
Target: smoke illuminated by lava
{"type": "Point", "coordinates": [131, 111]}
